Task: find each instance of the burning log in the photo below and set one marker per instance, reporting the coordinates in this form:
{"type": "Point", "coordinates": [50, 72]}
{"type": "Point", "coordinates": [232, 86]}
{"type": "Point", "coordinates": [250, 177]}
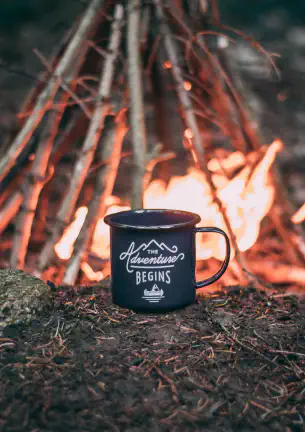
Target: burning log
{"type": "Point", "coordinates": [85, 133]}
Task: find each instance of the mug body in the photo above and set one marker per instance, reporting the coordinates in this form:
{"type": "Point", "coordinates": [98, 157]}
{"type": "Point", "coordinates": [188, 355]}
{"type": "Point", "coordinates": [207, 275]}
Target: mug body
{"type": "Point", "coordinates": [153, 265]}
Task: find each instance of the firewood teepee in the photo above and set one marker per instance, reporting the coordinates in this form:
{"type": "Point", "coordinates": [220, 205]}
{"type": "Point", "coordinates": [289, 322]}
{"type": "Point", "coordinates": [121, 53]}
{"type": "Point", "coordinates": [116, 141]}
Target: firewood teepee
{"type": "Point", "coordinates": [95, 90]}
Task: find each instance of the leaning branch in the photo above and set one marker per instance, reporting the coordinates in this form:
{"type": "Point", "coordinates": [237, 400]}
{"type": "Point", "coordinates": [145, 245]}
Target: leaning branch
{"type": "Point", "coordinates": [46, 97]}
{"type": "Point", "coordinates": [106, 176]}
{"type": "Point", "coordinates": [82, 166]}
{"type": "Point", "coordinates": [10, 210]}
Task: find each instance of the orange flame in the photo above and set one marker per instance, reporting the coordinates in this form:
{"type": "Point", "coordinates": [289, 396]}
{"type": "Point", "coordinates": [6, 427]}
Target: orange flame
{"type": "Point", "coordinates": [64, 247]}
{"type": "Point", "coordinates": [247, 197]}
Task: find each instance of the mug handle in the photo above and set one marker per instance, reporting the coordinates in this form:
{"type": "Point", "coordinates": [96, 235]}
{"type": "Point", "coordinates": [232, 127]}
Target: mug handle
{"type": "Point", "coordinates": [224, 266]}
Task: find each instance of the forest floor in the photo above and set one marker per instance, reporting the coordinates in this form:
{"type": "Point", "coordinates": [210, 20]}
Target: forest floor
{"type": "Point", "coordinates": [234, 361]}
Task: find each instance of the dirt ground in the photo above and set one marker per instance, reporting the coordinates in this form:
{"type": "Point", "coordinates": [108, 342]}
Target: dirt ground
{"type": "Point", "coordinates": [234, 361]}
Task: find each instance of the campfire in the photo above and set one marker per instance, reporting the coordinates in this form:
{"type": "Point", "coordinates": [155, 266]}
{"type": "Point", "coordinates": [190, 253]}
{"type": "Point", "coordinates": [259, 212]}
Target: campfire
{"type": "Point", "coordinates": [139, 108]}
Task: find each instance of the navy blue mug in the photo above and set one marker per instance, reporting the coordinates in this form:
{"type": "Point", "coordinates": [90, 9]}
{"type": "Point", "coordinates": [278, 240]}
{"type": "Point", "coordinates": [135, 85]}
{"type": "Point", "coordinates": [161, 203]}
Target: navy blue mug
{"type": "Point", "coordinates": [153, 259]}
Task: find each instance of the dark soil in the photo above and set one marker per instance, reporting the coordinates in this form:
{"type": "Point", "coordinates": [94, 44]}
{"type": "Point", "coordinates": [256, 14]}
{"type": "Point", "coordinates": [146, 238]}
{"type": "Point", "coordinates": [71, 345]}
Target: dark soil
{"type": "Point", "coordinates": [232, 362]}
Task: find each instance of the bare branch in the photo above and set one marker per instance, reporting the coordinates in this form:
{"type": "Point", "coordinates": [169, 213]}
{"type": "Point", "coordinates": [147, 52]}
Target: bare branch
{"type": "Point", "coordinates": [135, 77]}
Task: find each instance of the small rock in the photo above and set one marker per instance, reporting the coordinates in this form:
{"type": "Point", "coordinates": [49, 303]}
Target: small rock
{"type": "Point", "coordinates": [22, 296]}
{"type": "Point", "coordinates": [223, 318]}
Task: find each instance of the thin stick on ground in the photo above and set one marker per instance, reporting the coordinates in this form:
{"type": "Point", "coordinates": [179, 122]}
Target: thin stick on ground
{"type": "Point", "coordinates": [106, 175]}
{"type": "Point", "coordinates": [191, 122]}
{"type": "Point", "coordinates": [44, 100]}
{"type": "Point", "coordinates": [235, 340]}
{"type": "Point", "coordinates": [170, 382]}
{"type": "Point", "coordinates": [137, 120]}
{"type": "Point", "coordinates": [82, 166]}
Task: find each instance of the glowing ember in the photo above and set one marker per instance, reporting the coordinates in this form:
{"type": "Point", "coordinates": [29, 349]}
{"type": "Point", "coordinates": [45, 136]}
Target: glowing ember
{"type": "Point", "coordinates": [247, 197]}
{"type": "Point", "coordinates": [187, 85]}
{"type": "Point", "coordinates": [188, 133]}
{"type": "Point", "coordinates": [299, 216]}
{"type": "Point", "coordinates": [90, 273]}
{"type": "Point", "coordinates": [167, 65]}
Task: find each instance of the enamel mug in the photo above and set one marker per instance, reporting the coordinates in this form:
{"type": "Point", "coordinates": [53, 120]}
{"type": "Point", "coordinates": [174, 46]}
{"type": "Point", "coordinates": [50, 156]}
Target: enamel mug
{"type": "Point", "coordinates": [153, 259]}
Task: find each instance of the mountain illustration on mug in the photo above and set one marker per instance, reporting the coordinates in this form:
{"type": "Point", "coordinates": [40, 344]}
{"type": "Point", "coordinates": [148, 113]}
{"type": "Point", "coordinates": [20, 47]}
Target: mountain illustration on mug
{"type": "Point", "coordinates": [150, 255]}
{"type": "Point", "coordinates": [154, 295]}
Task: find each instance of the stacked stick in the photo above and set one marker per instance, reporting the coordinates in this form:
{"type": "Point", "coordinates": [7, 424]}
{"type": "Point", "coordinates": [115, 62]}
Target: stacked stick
{"type": "Point", "coordinates": [139, 35]}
